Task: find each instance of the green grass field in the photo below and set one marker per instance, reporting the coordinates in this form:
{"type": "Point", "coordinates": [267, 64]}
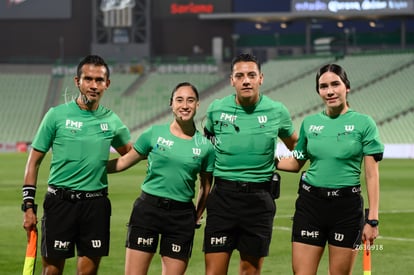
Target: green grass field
{"type": "Point", "coordinates": [392, 254]}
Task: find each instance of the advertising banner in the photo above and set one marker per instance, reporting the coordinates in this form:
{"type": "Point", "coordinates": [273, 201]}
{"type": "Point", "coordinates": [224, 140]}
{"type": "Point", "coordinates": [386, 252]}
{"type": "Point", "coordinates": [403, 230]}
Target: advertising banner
{"type": "Point", "coordinates": [36, 9]}
{"type": "Point", "coordinates": [351, 6]}
{"type": "Point", "coordinates": [185, 9]}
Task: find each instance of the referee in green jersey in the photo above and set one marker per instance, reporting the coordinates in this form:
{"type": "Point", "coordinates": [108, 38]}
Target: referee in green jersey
{"type": "Point", "coordinates": [329, 208]}
{"type": "Point", "coordinates": [164, 214]}
{"type": "Point", "coordinates": [76, 211]}
{"type": "Point", "coordinates": [244, 128]}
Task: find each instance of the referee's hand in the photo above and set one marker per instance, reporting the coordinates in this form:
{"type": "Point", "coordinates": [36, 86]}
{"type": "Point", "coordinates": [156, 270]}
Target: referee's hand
{"type": "Point", "coordinates": [198, 222]}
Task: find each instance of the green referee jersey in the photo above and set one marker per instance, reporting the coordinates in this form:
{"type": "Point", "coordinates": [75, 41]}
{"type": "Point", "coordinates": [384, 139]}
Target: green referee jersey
{"type": "Point", "coordinates": [246, 137]}
{"type": "Point", "coordinates": [80, 141]}
{"type": "Point", "coordinates": [173, 162]}
{"type": "Point", "coordinates": [336, 146]}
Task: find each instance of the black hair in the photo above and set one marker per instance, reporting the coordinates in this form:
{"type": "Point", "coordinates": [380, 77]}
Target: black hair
{"type": "Point", "coordinates": [336, 69]}
{"type": "Point", "coordinates": [245, 57]}
{"type": "Point", "coordinates": [95, 60]}
{"type": "Point", "coordinates": [184, 84]}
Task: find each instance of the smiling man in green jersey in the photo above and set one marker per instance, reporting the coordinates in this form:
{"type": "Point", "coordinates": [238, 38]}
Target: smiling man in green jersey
{"type": "Point", "coordinates": [244, 128]}
{"type": "Point", "coordinates": [76, 208]}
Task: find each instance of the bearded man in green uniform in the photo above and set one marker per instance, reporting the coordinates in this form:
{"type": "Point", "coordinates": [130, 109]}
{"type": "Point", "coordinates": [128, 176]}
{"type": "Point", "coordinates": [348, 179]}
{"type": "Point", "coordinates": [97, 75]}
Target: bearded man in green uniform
{"type": "Point", "coordinates": [76, 208]}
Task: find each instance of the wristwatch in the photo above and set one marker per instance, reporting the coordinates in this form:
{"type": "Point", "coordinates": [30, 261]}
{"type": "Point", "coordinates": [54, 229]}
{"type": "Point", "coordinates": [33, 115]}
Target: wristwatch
{"type": "Point", "coordinates": [373, 223]}
{"type": "Point", "coordinates": [26, 206]}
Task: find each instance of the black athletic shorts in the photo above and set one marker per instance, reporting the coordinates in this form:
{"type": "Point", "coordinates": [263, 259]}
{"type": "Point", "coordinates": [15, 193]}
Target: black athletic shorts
{"type": "Point", "coordinates": [337, 220]}
{"type": "Point", "coordinates": [153, 217]}
{"type": "Point", "coordinates": [239, 220]}
{"type": "Point", "coordinates": [81, 223]}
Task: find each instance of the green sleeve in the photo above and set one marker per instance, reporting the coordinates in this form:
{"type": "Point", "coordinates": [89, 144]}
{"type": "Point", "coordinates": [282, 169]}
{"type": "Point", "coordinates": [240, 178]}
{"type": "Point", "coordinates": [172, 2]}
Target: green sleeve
{"type": "Point", "coordinates": [143, 143]}
{"type": "Point", "coordinates": [300, 151]}
{"type": "Point", "coordinates": [286, 125]}
{"type": "Point", "coordinates": [44, 137]}
{"type": "Point", "coordinates": [371, 141]}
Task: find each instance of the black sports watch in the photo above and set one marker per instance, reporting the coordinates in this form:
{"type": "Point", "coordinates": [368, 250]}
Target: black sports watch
{"type": "Point", "coordinates": [26, 206]}
{"type": "Point", "coordinates": [373, 223]}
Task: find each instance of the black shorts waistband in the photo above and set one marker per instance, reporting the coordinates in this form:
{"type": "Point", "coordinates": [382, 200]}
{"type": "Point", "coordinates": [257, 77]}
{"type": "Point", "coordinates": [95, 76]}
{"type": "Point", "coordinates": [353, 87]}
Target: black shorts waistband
{"type": "Point", "coordinates": [242, 186]}
{"type": "Point", "coordinates": [329, 193]}
{"type": "Point", "coordinates": [75, 195]}
{"type": "Point", "coordinates": [165, 203]}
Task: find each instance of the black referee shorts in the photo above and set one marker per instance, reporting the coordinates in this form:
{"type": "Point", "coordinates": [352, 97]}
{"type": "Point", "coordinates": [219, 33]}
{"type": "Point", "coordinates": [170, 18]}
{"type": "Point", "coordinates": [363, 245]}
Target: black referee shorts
{"type": "Point", "coordinates": [320, 217]}
{"type": "Point", "coordinates": [153, 217]}
{"type": "Point", "coordinates": [239, 220]}
{"type": "Point", "coordinates": [83, 224]}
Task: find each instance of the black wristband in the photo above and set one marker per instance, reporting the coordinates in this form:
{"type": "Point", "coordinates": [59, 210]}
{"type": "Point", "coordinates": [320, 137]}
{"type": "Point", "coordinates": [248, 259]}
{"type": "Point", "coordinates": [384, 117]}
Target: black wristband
{"type": "Point", "coordinates": [29, 193]}
{"type": "Point", "coordinates": [26, 206]}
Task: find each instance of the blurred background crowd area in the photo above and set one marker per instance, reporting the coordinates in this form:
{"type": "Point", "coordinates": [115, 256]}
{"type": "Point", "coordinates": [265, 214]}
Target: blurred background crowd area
{"type": "Point", "coordinates": [151, 45]}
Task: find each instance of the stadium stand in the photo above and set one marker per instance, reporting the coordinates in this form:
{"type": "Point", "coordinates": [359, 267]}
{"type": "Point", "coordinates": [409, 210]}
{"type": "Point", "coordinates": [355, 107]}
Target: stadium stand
{"type": "Point", "coordinates": [381, 87]}
{"type": "Point", "coordinates": [400, 130]}
{"type": "Point", "coordinates": [23, 97]}
{"type": "Point", "coordinates": [281, 72]}
{"type": "Point", "coordinates": [387, 97]}
{"type": "Point", "coordinates": [151, 99]}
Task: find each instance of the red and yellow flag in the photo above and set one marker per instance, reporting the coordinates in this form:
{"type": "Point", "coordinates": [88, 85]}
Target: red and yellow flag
{"type": "Point", "coordinates": [31, 250]}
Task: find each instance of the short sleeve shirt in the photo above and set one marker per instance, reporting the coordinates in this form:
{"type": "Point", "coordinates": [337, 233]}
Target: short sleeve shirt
{"type": "Point", "coordinates": [173, 162]}
{"type": "Point", "coordinates": [336, 146]}
{"type": "Point", "coordinates": [80, 141]}
{"type": "Point", "coordinates": [246, 137]}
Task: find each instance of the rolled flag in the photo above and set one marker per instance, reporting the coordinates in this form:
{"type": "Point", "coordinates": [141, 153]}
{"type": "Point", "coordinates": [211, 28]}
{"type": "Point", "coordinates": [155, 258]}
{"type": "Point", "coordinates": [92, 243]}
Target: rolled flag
{"type": "Point", "coordinates": [366, 259]}
{"type": "Point", "coordinates": [31, 251]}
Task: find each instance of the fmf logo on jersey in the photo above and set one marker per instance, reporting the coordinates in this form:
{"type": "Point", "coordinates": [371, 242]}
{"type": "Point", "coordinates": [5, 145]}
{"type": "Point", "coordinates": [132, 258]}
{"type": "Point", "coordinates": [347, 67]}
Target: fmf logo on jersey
{"type": "Point", "coordinates": [73, 124]}
{"type": "Point", "coordinates": [316, 128]}
{"type": "Point", "coordinates": [165, 142]}
{"type": "Point", "coordinates": [227, 117]}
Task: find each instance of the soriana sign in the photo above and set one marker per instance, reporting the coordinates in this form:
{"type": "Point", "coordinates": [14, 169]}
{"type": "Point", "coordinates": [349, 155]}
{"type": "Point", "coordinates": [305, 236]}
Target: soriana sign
{"type": "Point", "coordinates": [191, 8]}
{"type": "Point", "coordinates": [181, 8]}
